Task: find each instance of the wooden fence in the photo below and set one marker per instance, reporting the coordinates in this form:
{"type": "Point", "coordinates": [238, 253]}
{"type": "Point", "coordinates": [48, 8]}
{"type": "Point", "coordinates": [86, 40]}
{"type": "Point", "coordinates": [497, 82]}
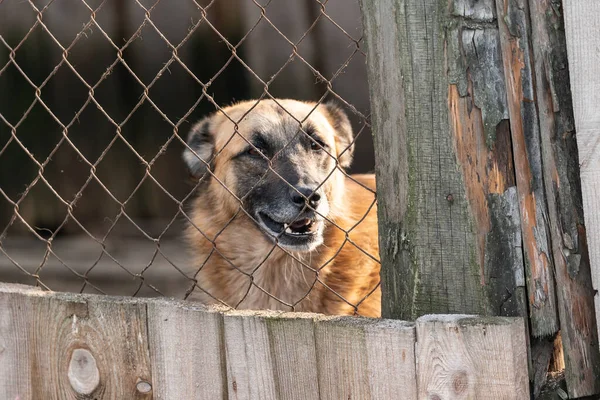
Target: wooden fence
{"type": "Point", "coordinates": [480, 212]}
{"type": "Point", "coordinates": [63, 346]}
{"type": "Point", "coordinates": [476, 132]}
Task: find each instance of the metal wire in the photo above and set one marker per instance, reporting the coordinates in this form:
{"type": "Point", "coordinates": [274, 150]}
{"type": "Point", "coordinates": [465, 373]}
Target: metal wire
{"type": "Point", "coordinates": [86, 279]}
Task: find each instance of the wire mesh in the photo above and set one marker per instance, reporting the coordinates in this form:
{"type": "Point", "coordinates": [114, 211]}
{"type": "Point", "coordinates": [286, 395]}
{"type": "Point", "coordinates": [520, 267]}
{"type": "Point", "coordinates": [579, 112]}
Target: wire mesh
{"type": "Point", "coordinates": [58, 178]}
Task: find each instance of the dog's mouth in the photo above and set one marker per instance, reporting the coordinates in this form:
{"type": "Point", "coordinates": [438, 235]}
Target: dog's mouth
{"type": "Point", "coordinates": [301, 234]}
{"type": "Point", "coordinates": [299, 227]}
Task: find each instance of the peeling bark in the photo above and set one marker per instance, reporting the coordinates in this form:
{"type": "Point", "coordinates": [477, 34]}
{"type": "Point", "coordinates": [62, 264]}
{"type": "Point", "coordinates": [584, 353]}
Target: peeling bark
{"type": "Point", "coordinates": [516, 54]}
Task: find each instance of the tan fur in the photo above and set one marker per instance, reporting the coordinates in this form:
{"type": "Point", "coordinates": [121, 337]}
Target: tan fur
{"type": "Point", "coordinates": [238, 265]}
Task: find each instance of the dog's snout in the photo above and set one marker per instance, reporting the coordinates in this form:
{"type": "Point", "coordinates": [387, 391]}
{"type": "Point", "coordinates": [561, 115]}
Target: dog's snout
{"type": "Point", "coordinates": [302, 195]}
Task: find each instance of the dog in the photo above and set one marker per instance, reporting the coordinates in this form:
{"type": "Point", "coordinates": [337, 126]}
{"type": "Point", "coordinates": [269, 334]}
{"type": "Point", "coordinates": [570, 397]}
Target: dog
{"type": "Point", "coordinates": [276, 223]}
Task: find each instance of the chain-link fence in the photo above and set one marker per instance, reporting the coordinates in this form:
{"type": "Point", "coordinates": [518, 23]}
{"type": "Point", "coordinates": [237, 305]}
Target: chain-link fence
{"type": "Point", "coordinates": [98, 99]}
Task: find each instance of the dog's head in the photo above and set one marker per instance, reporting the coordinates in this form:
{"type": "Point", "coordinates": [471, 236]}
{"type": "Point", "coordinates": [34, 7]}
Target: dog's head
{"type": "Point", "coordinates": [281, 161]}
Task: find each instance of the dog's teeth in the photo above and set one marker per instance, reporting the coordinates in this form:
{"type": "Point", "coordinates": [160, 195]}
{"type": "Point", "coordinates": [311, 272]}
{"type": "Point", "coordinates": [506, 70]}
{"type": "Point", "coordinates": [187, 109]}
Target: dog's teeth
{"type": "Point", "coordinates": [288, 230]}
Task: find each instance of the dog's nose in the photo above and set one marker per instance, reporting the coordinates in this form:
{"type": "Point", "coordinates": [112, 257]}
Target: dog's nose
{"type": "Point", "coordinates": [302, 195]}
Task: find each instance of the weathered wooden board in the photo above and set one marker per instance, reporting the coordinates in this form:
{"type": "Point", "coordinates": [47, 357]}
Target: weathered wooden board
{"type": "Point", "coordinates": [353, 354]}
{"type": "Point", "coordinates": [186, 351]}
{"type": "Point", "coordinates": [582, 26]}
{"type": "Point", "coordinates": [342, 360]}
{"type": "Point", "coordinates": [461, 357]}
{"type": "Point", "coordinates": [575, 294]}
{"type": "Point", "coordinates": [477, 167]}
{"type": "Point", "coordinates": [450, 234]}
{"type": "Point", "coordinates": [293, 349]}
{"type": "Point", "coordinates": [385, 72]}
{"type": "Point", "coordinates": [68, 346]}
{"type": "Point", "coordinates": [250, 363]}
{"type": "Point", "coordinates": [390, 348]}
{"type": "Point", "coordinates": [15, 316]}
{"type": "Point", "coordinates": [513, 24]}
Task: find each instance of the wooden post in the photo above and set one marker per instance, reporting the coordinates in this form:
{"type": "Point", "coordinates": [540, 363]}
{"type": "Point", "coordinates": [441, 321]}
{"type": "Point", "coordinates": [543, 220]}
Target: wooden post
{"type": "Point", "coordinates": [448, 207]}
{"type": "Point", "coordinates": [477, 178]}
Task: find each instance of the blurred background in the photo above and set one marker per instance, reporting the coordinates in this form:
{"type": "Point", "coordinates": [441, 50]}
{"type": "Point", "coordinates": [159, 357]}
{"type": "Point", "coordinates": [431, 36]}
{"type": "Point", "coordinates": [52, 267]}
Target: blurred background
{"type": "Point", "coordinates": [153, 69]}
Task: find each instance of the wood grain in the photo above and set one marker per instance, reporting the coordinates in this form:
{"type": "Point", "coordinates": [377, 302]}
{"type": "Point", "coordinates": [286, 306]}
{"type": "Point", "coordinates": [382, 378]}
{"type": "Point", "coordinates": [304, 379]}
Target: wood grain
{"type": "Point", "coordinates": [461, 357]}
{"type": "Point", "coordinates": [15, 316]}
{"type": "Point", "coordinates": [111, 330]}
{"type": "Point", "coordinates": [427, 239]}
{"type": "Point", "coordinates": [250, 363]}
{"type": "Point", "coordinates": [356, 355]}
{"type": "Point", "coordinates": [186, 351]}
{"type": "Point", "coordinates": [68, 346]}
{"type": "Point", "coordinates": [342, 360]}
{"type": "Point", "coordinates": [582, 28]}
{"type": "Point", "coordinates": [450, 230]}
{"type": "Point", "coordinates": [575, 294]}
{"type": "Point", "coordinates": [513, 24]}
{"type": "Point", "coordinates": [386, 88]}
{"type": "Point", "coordinates": [292, 343]}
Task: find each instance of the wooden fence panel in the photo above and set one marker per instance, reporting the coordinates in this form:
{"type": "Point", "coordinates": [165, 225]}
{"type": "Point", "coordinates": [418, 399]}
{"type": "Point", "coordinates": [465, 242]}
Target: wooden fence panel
{"type": "Point", "coordinates": [186, 351]}
{"type": "Point", "coordinates": [67, 346]}
{"type": "Point", "coordinates": [391, 353]}
{"type": "Point", "coordinates": [74, 345]}
{"type": "Point", "coordinates": [480, 206]}
{"type": "Point", "coordinates": [294, 353]}
{"type": "Point", "coordinates": [15, 316]}
{"type": "Point", "coordinates": [354, 356]}
{"type": "Point", "coordinates": [461, 357]}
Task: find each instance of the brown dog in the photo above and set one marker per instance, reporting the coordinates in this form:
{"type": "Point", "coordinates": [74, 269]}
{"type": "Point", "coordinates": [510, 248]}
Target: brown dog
{"type": "Point", "coordinates": [276, 223]}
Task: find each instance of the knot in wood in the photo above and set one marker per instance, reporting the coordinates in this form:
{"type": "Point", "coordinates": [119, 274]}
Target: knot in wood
{"type": "Point", "coordinates": [143, 387]}
{"type": "Point", "coordinates": [83, 373]}
{"type": "Point", "coordinates": [460, 382]}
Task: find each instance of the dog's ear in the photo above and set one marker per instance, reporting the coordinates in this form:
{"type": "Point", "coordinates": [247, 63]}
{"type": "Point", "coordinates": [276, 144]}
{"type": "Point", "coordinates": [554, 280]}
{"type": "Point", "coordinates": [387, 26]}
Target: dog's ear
{"type": "Point", "coordinates": [202, 145]}
{"type": "Point", "coordinates": [343, 133]}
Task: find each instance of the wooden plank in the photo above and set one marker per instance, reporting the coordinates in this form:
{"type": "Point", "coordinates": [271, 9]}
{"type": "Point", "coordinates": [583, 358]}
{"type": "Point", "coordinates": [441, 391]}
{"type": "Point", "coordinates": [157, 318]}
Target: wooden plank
{"type": "Point", "coordinates": [15, 316]}
{"type": "Point", "coordinates": [391, 352]}
{"type": "Point", "coordinates": [575, 294]}
{"type": "Point", "coordinates": [81, 346]}
{"type": "Point", "coordinates": [516, 55]}
{"type": "Point", "coordinates": [390, 138]}
{"type": "Point", "coordinates": [250, 363]}
{"type": "Point", "coordinates": [357, 356]}
{"type": "Point", "coordinates": [448, 215]}
{"type": "Point", "coordinates": [186, 351]}
{"type": "Point", "coordinates": [342, 360]}
{"type": "Point", "coordinates": [582, 28]}
{"type": "Point", "coordinates": [292, 346]}
{"type": "Point", "coordinates": [460, 357]}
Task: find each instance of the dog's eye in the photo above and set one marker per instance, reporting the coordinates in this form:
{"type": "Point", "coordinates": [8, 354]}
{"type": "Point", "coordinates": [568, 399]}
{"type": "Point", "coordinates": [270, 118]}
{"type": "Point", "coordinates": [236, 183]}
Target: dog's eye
{"type": "Point", "coordinates": [317, 145]}
{"type": "Point", "coordinates": [255, 152]}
